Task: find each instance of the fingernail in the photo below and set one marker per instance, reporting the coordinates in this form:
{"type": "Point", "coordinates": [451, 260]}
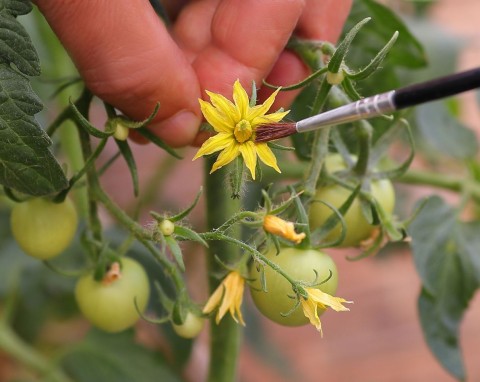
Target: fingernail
{"type": "Point", "coordinates": [180, 129]}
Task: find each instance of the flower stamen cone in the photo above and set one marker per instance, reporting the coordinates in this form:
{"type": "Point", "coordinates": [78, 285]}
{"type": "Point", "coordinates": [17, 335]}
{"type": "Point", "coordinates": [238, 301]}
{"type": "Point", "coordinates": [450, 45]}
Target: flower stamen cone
{"type": "Point", "coordinates": [280, 227]}
{"type": "Point", "coordinates": [235, 124]}
{"type": "Point", "coordinates": [227, 297]}
{"type": "Point", "coordinates": [320, 300]}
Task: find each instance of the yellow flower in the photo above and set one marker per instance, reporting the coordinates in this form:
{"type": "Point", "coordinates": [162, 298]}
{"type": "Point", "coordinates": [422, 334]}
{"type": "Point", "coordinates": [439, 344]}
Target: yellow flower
{"type": "Point", "coordinates": [320, 300]}
{"type": "Point", "coordinates": [229, 295]}
{"type": "Point", "coordinates": [235, 124]}
{"type": "Point", "coordinates": [280, 227]}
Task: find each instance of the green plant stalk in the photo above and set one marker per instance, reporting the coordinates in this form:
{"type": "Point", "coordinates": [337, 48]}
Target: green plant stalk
{"type": "Point", "coordinates": [320, 142]}
{"type": "Point", "coordinates": [28, 356]}
{"type": "Point", "coordinates": [83, 105]}
{"type": "Point", "coordinates": [224, 337]}
{"type": "Point", "coordinates": [364, 135]}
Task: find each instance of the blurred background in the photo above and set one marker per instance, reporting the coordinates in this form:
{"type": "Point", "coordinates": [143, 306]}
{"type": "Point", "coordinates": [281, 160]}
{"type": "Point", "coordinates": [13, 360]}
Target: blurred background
{"type": "Point", "coordinates": [380, 339]}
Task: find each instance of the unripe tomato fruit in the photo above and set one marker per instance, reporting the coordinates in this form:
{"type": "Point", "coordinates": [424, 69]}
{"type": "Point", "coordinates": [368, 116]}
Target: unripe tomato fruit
{"type": "Point", "coordinates": [357, 227]}
{"type": "Point", "coordinates": [43, 229]}
{"type": "Point", "coordinates": [300, 265]}
{"type": "Point", "coordinates": [191, 327]}
{"type": "Point", "coordinates": [111, 306]}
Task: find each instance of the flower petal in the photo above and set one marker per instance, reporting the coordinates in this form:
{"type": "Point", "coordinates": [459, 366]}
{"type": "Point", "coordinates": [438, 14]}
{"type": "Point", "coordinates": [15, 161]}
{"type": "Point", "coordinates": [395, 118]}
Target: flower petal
{"type": "Point", "coordinates": [214, 300]}
{"type": "Point", "coordinates": [213, 144]}
{"type": "Point", "coordinates": [240, 97]}
{"type": "Point", "coordinates": [325, 299]}
{"type": "Point", "coordinates": [260, 110]}
{"type": "Point", "coordinates": [310, 311]}
{"type": "Point", "coordinates": [226, 156]}
{"type": "Point", "coordinates": [225, 106]}
{"type": "Point", "coordinates": [266, 155]}
{"type": "Point", "coordinates": [269, 118]}
{"type": "Point", "coordinates": [249, 154]}
{"type": "Point", "coordinates": [215, 117]}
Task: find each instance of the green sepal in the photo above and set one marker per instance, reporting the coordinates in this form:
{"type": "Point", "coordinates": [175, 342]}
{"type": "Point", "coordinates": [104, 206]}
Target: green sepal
{"type": "Point", "coordinates": [236, 177]}
{"type": "Point", "coordinates": [342, 49]}
{"type": "Point", "coordinates": [179, 313]}
{"type": "Point", "coordinates": [85, 123]}
{"type": "Point", "coordinates": [384, 142]}
{"type": "Point", "coordinates": [185, 233]}
{"type": "Point", "coordinates": [375, 63]}
{"type": "Point", "coordinates": [335, 218]}
{"type": "Point", "coordinates": [111, 123]}
{"type": "Point", "coordinates": [253, 98]}
{"type": "Point", "coordinates": [276, 146]}
{"type": "Point", "coordinates": [176, 251]}
{"type": "Point", "coordinates": [302, 218]}
{"type": "Point", "coordinates": [128, 156]}
{"type": "Point", "coordinates": [300, 84]}
{"type": "Point", "coordinates": [186, 211]}
{"type": "Point", "coordinates": [147, 133]}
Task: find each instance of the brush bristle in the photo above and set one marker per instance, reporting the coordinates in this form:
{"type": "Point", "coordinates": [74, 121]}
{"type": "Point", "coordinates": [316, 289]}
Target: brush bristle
{"type": "Point", "coordinates": [271, 131]}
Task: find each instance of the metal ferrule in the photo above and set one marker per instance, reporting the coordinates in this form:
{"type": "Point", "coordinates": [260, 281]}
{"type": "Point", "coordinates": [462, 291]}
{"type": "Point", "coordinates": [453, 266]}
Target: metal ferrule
{"type": "Point", "coordinates": [365, 108]}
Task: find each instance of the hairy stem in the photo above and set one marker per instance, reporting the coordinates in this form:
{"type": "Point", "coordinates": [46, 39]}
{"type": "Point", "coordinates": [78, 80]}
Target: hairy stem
{"type": "Point", "coordinates": [225, 337]}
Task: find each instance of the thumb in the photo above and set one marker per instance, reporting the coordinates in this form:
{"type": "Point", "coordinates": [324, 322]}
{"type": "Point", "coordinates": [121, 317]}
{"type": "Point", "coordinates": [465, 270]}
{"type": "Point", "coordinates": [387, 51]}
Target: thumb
{"type": "Point", "coordinates": [127, 57]}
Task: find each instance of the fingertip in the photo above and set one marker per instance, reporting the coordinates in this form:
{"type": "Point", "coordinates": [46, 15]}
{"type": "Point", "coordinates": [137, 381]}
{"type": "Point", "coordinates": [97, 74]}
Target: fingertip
{"type": "Point", "coordinates": [179, 130]}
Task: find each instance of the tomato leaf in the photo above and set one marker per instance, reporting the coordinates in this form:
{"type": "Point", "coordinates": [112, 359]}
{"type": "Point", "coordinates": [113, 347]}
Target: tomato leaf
{"type": "Point", "coordinates": [408, 52]}
{"type": "Point", "coordinates": [444, 132]}
{"type": "Point", "coordinates": [115, 358]}
{"type": "Point", "coordinates": [26, 164]}
{"type": "Point", "coordinates": [15, 44]}
{"type": "Point", "coordinates": [445, 254]}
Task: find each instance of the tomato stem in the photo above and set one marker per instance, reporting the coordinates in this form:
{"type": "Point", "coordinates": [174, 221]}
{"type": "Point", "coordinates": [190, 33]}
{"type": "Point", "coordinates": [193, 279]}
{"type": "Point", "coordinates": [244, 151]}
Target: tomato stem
{"type": "Point", "coordinates": [224, 337]}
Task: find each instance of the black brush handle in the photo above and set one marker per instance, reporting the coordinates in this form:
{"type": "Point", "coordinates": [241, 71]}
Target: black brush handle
{"type": "Point", "coordinates": [435, 89]}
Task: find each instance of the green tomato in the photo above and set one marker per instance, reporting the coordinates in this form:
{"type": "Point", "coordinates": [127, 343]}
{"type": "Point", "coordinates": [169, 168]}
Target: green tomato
{"type": "Point", "coordinates": [111, 306]}
{"type": "Point", "coordinates": [357, 227]}
{"type": "Point", "coordinates": [191, 327]}
{"type": "Point", "coordinates": [43, 229]}
{"type": "Point", "coordinates": [299, 264]}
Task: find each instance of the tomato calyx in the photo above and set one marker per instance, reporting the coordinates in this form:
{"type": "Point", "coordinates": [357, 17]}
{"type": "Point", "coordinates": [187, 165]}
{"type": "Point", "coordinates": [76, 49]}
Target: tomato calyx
{"type": "Point", "coordinates": [112, 274]}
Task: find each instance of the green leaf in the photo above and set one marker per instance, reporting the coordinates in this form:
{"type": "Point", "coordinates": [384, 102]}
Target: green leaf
{"type": "Point", "coordinates": [408, 52]}
{"type": "Point", "coordinates": [15, 7]}
{"type": "Point", "coordinates": [444, 132]}
{"type": "Point", "coordinates": [176, 252]}
{"type": "Point", "coordinates": [15, 44]}
{"type": "Point", "coordinates": [445, 252]}
{"type": "Point", "coordinates": [26, 164]}
{"type": "Point", "coordinates": [115, 358]}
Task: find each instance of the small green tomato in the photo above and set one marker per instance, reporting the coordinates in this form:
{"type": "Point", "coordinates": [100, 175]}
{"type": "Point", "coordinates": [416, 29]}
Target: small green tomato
{"type": "Point", "coordinates": [110, 304]}
{"type": "Point", "coordinates": [166, 227]}
{"type": "Point", "coordinates": [43, 229]}
{"type": "Point", "coordinates": [299, 264]}
{"type": "Point", "coordinates": [191, 327]}
{"type": "Point", "coordinates": [357, 227]}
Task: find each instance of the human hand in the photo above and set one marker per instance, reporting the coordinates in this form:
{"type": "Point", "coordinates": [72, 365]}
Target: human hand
{"type": "Point", "coordinates": [130, 59]}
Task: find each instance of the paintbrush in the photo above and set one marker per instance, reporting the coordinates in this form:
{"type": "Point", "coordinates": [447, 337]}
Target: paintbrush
{"type": "Point", "coordinates": [376, 105]}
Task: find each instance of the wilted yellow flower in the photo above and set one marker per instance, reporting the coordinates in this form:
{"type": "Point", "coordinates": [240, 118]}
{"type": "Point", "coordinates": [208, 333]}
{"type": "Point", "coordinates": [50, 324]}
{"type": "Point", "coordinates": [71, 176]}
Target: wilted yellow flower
{"type": "Point", "coordinates": [229, 295]}
{"type": "Point", "coordinates": [280, 227]}
{"type": "Point", "coordinates": [320, 300]}
{"type": "Point", "coordinates": [235, 124]}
